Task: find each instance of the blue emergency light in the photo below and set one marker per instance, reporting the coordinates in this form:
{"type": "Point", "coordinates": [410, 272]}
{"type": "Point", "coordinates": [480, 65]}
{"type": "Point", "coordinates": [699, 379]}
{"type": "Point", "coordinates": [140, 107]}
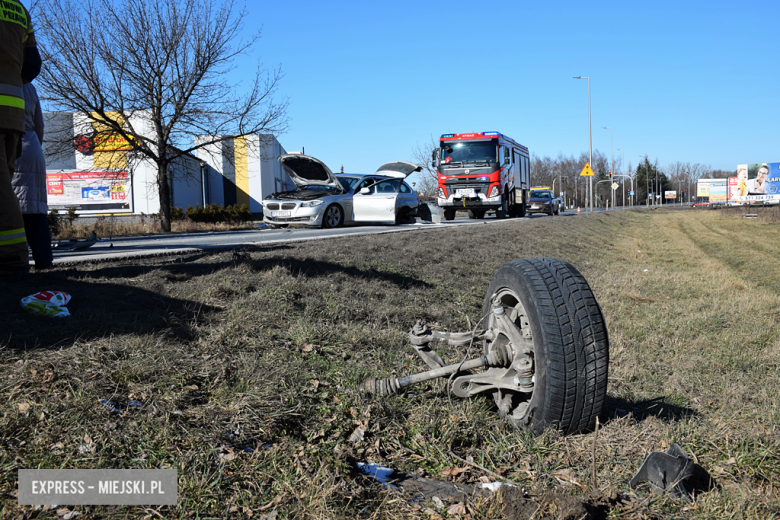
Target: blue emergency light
{"type": "Point", "coordinates": [492, 134]}
{"type": "Point", "coordinates": [447, 135]}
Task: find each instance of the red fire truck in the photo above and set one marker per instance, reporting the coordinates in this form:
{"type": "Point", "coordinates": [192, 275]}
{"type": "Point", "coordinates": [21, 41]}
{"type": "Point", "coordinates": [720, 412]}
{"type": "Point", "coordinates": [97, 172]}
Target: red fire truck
{"type": "Point", "coordinates": [482, 172]}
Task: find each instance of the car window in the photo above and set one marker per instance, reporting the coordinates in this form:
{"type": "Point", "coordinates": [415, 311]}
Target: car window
{"type": "Point", "coordinates": [389, 186]}
{"type": "Point", "coordinates": [347, 182]}
{"type": "Point", "coordinates": [405, 188]}
{"type": "Point", "coordinates": [365, 183]}
{"type": "Point", "coordinates": [540, 194]}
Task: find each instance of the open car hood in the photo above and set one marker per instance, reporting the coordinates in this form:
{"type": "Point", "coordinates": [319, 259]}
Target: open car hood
{"type": "Point", "coordinates": [305, 170]}
{"type": "Point", "coordinates": [398, 169]}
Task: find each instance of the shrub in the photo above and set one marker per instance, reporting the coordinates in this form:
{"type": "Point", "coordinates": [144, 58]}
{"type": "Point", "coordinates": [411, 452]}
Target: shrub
{"type": "Point", "coordinates": [55, 222]}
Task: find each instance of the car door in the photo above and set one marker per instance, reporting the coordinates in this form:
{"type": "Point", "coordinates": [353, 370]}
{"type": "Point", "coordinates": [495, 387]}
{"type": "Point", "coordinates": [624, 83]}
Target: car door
{"type": "Point", "coordinates": [376, 203]}
{"type": "Point", "coordinates": [406, 197]}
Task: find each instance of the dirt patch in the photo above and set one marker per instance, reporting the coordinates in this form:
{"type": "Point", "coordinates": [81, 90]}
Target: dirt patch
{"type": "Point", "coordinates": [517, 505]}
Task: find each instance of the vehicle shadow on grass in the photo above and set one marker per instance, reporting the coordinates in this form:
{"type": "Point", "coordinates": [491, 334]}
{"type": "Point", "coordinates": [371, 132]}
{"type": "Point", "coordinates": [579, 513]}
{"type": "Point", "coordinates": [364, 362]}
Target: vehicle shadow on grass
{"type": "Point", "coordinates": [659, 407]}
{"type": "Point", "coordinates": [101, 308]}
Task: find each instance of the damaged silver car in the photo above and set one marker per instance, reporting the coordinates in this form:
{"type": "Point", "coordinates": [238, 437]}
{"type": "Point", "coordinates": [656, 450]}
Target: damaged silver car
{"type": "Point", "coordinates": [324, 199]}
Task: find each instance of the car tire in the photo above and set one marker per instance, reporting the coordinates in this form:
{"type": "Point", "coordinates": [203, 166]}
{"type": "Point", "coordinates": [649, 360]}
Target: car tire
{"type": "Point", "coordinates": [449, 214]}
{"type": "Point", "coordinates": [333, 217]}
{"type": "Point", "coordinates": [403, 216]}
{"type": "Point", "coordinates": [557, 314]}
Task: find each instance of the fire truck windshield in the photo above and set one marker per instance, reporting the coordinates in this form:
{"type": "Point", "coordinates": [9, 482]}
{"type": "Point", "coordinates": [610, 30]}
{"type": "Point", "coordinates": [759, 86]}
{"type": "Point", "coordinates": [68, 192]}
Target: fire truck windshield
{"type": "Point", "coordinates": [469, 152]}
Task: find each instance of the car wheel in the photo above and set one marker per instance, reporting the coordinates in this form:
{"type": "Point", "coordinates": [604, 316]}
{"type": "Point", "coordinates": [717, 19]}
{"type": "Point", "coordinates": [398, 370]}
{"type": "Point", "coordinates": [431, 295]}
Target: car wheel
{"type": "Point", "coordinates": [449, 214]}
{"type": "Point", "coordinates": [333, 216]}
{"type": "Point", "coordinates": [563, 329]}
{"type": "Point", "coordinates": [404, 216]}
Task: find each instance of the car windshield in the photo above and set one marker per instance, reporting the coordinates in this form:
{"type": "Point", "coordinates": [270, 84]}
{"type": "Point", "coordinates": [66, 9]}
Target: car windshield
{"type": "Point", "coordinates": [469, 152]}
{"type": "Point", "coordinates": [540, 194]}
{"type": "Point", "coordinates": [347, 182]}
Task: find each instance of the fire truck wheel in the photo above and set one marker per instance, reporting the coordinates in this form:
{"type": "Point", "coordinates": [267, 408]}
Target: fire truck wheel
{"type": "Point", "coordinates": [503, 211]}
{"type": "Point", "coordinates": [556, 312]}
{"type": "Point", "coordinates": [449, 214]}
{"type": "Point", "coordinates": [476, 213]}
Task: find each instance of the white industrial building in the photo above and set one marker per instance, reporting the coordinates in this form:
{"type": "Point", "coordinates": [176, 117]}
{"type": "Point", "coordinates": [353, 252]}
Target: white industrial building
{"type": "Point", "coordinates": [103, 178]}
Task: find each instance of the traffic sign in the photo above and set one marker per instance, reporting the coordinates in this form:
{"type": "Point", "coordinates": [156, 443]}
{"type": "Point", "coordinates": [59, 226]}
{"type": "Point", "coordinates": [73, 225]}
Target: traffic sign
{"type": "Point", "coordinates": [631, 193]}
{"type": "Point", "coordinates": [615, 185]}
{"type": "Point", "coordinates": [587, 171]}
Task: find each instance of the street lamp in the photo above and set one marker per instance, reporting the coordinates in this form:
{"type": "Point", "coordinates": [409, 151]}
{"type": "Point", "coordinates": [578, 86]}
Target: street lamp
{"type": "Point", "coordinates": [611, 161]}
{"type": "Point", "coordinates": [590, 143]}
{"type": "Point", "coordinates": [647, 181]}
{"type": "Point", "coordinates": [623, 171]}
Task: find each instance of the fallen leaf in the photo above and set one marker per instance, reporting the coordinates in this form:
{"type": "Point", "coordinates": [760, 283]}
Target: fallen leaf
{"type": "Point", "coordinates": [357, 436]}
{"type": "Point", "coordinates": [437, 502]}
{"type": "Point", "coordinates": [226, 455]}
{"type": "Point", "coordinates": [308, 348]}
{"type": "Point", "coordinates": [457, 509]}
{"type": "Point", "coordinates": [191, 387]}
{"type": "Point", "coordinates": [24, 407]}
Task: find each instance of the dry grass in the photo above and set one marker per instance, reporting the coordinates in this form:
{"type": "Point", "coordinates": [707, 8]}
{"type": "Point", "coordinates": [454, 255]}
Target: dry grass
{"type": "Point", "coordinates": [245, 366]}
{"type": "Point", "coordinates": [111, 226]}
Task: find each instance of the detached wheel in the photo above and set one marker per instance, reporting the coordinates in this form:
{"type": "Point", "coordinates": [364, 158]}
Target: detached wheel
{"type": "Point", "coordinates": [333, 216]}
{"type": "Point", "coordinates": [561, 324]}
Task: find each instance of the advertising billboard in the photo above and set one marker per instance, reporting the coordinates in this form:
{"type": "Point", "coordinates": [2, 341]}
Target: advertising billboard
{"type": "Point", "coordinates": [758, 182]}
{"type": "Point", "coordinates": [98, 191]}
{"type": "Point", "coordinates": [670, 195]}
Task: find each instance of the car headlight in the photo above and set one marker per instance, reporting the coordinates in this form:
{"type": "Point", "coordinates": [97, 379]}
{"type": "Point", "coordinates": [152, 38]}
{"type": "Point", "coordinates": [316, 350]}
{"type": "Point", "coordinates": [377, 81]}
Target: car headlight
{"type": "Point", "coordinates": [312, 203]}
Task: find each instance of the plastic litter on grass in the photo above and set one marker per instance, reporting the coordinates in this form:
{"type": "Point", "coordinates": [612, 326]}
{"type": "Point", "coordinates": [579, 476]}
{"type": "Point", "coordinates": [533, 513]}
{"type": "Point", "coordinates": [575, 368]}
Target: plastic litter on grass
{"type": "Point", "coordinates": [47, 303]}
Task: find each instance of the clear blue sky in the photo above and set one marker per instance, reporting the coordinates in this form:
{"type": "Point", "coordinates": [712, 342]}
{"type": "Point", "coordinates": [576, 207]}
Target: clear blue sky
{"type": "Point", "coordinates": [689, 81]}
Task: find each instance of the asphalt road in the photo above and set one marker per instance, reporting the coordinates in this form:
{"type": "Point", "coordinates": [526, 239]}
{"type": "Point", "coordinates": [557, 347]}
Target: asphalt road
{"type": "Point", "coordinates": [138, 247]}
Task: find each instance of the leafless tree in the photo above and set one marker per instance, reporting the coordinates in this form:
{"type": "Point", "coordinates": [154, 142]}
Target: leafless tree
{"type": "Point", "coordinates": [422, 155]}
{"type": "Point", "coordinates": [168, 63]}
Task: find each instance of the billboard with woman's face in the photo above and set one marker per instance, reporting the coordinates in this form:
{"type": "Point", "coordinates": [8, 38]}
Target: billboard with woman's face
{"type": "Point", "coordinates": [758, 182]}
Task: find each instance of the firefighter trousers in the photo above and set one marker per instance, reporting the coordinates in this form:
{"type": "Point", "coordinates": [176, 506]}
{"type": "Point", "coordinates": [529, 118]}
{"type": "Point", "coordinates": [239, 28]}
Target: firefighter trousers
{"type": "Point", "coordinates": [13, 242]}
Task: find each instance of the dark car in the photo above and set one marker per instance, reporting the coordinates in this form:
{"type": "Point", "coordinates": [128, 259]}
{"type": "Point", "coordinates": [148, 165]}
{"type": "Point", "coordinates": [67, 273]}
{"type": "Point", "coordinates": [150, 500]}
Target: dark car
{"type": "Point", "coordinates": [542, 201]}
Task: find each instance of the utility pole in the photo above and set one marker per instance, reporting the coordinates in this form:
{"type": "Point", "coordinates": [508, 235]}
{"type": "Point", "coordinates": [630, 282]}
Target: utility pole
{"type": "Point", "coordinates": [623, 181]}
{"type": "Point", "coordinates": [590, 144]}
{"type": "Point", "coordinates": [647, 180]}
{"type": "Point", "coordinates": [611, 163]}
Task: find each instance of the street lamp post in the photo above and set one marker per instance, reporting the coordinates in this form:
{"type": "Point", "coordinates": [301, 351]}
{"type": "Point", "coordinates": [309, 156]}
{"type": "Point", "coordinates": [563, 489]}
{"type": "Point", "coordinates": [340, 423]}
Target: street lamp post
{"type": "Point", "coordinates": [647, 181]}
{"type": "Point", "coordinates": [623, 171]}
{"type": "Point", "coordinates": [590, 144]}
{"type": "Point", "coordinates": [611, 162]}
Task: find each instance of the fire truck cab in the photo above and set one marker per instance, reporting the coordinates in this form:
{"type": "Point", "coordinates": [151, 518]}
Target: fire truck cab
{"type": "Point", "coordinates": [482, 172]}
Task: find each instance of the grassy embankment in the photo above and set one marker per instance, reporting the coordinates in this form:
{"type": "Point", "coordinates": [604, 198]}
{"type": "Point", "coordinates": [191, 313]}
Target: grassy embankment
{"type": "Point", "coordinates": [244, 364]}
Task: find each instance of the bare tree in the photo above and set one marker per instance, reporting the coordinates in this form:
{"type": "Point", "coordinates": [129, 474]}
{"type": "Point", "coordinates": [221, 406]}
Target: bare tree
{"type": "Point", "coordinates": [422, 155]}
{"type": "Point", "coordinates": [167, 63]}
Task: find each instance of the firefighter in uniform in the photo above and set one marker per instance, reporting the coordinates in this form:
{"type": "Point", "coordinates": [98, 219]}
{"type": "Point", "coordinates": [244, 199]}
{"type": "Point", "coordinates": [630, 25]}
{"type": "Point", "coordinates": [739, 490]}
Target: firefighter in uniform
{"type": "Point", "coordinates": [19, 64]}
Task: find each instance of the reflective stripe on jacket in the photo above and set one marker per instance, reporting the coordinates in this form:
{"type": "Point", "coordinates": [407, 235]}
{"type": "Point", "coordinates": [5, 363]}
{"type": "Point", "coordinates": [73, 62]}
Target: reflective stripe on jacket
{"type": "Point", "coordinates": [16, 33]}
